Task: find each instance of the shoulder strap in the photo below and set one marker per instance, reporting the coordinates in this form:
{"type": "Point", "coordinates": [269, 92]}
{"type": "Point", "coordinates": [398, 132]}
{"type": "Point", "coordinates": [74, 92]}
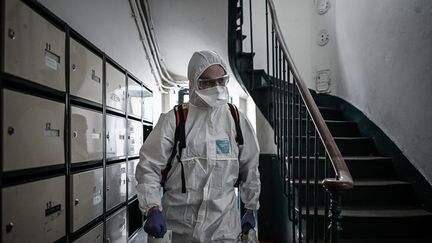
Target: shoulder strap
{"type": "Point", "coordinates": [236, 116]}
{"type": "Point", "coordinates": [239, 135]}
{"type": "Point", "coordinates": [181, 115]}
{"type": "Point", "coordinates": [181, 112]}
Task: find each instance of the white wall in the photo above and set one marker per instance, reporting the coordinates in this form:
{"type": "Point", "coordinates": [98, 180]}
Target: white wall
{"type": "Point", "coordinates": [295, 21]}
{"type": "Point", "coordinates": [265, 133]}
{"type": "Point", "coordinates": [385, 61]}
{"type": "Point", "coordinates": [109, 25]}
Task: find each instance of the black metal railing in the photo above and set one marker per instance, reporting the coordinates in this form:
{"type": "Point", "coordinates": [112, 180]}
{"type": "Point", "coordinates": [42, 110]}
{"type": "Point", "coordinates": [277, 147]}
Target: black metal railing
{"type": "Point", "coordinates": [313, 171]}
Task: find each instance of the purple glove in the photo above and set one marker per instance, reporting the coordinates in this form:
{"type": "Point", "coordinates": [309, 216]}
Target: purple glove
{"type": "Point", "coordinates": [248, 221]}
{"type": "Point", "coordinates": [155, 224]}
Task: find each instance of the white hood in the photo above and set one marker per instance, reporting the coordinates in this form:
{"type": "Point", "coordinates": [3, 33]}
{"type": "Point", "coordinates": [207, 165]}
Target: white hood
{"type": "Point", "coordinates": [198, 63]}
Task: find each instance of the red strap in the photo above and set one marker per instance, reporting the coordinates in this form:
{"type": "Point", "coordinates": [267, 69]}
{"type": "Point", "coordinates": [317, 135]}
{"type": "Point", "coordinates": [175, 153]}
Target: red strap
{"type": "Point", "coordinates": [237, 113]}
{"type": "Point", "coordinates": [177, 116]}
{"type": "Point", "coordinates": [185, 113]}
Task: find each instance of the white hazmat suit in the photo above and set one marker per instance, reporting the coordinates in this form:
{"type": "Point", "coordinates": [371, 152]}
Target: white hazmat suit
{"type": "Point", "coordinates": [212, 161]}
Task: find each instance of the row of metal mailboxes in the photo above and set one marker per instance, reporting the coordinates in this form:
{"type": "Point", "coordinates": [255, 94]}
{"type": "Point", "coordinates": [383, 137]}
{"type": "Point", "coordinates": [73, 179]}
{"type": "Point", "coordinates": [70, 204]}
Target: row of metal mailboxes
{"type": "Point", "coordinates": [37, 210]}
{"type": "Point", "coordinates": [34, 133]}
{"type": "Point", "coordinates": [35, 50]}
{"type": "Point", "coordinates": [113, 234]}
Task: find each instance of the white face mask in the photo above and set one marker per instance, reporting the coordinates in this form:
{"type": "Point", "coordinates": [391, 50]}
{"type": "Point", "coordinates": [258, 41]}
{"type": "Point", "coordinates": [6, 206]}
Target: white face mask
{"type": "Point", "coordinates": [214, 96]}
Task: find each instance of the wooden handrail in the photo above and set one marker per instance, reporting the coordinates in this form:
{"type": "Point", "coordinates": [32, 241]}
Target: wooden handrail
{"type": "Point", "coordinates": [343, 180]}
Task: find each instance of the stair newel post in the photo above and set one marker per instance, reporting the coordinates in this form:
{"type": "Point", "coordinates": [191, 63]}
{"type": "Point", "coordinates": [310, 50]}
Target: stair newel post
{"type": "Point", "coordinates": [335, 216]}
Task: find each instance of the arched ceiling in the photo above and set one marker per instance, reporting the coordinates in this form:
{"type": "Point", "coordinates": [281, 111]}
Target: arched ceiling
{"type": "Point", "coordinates": [182, 27]}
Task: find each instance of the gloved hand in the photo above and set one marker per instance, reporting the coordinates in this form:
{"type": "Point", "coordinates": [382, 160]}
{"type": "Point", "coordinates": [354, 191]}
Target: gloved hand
{"type": "Point", "coordinates": [248, 221]}
{"type": "Point", "coordinates": [155, 224]}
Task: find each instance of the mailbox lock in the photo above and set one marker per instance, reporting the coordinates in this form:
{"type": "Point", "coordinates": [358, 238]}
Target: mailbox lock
{"type": "Point", "coordinates": [108, 188]}
{"type": "Point", "coordinates": [75, 134]}
{"type": "Point", "coordinates": [76, 201]}
{"type": "Point", "coordinates": [11, 34]}
{"type": "Point", "coordinates": [11, 130]}
{"type": "Point", "coordinates": [73, 67]}
{"type": "Point", "coordinates": [9, 227]}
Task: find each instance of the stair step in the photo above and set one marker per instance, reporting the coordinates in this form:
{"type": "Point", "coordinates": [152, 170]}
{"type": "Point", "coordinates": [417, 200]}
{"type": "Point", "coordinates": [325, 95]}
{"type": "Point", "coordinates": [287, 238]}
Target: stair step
{"type": "Point", "coordinates": [328, 113]}
{"type": "Point", "coordinates": [387, 240]}
{"type": "Point", "coordinates": [331, 114]}
{"type": "Point", "coordinates": [343, 128]}
{"type": "Point", "coordinates": [348, 146]}
{"type": "Point", "coordinates": [337, 128]}
{"type": "Point", "coordinates": [359, 166]}
{"type": "Point", "coordinates": [377, 212]}
{"type": "Point", "coordinates": [326, 100]}
{"type": "Point", "coordinates": [370, 192]}
{"type": "Point", "coordinates": [371, 222]}
{"type": "Point", "coordinates": [323, 107]}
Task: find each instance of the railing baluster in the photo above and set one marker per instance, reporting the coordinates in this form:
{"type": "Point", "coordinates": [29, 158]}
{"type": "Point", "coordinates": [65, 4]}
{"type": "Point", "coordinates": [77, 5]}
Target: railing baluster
{"type": "Point", "coordinates": [267, 37]}
{"type": "Point", "coordinates": [278, 135]}
{"type": "Point", "coordinates": [307, 176]}
{"type": "Point", "coordinates": [285, 110]}
{"type": "Point", "coordinates": [286, 133]}
{"type": "Point", "coordinates": [294, 177]}
{"type": "Point", "coordinates": [293, 122]}
{"type": "Point", "coordinates": [252, 47]}
{"type": "Point", "coordinates": [242, 18]}
{"type": "Point", "coordinates": [290, 154]}
{"type": "Point", "coordinates": [300, 208]}
{"type": "Point", "coordinates": [251, 26]}
{"type": "Point", "coordinates": [277, 97]}
{"type": "Point", "coordinates": [281, 104]}
{"type": "Point", "coordinates": [316, 162]}
{"type": "Point", "coordinates": [285, 126]}
{"type": "Point", "coordinates": [326, 199]}
{"type": "Point", "coordinates": [273, 85]}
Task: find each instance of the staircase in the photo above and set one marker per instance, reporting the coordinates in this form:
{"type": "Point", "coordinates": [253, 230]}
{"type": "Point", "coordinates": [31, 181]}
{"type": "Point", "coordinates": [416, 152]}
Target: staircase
{"type": "Point", "coordinates": [381, 207]}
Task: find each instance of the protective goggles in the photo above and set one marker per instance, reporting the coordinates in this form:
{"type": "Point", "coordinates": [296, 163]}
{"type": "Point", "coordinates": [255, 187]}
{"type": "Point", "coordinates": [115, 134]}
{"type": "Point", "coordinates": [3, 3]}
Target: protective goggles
{"type": "Point", "coordinates": [212, 82]}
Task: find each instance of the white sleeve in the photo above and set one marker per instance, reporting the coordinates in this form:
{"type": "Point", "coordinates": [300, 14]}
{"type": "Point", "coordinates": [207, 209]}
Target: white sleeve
{"type": "Point", "coordinates": [250, 184]}
{"type": "Point", "coordinates": [154, 156]}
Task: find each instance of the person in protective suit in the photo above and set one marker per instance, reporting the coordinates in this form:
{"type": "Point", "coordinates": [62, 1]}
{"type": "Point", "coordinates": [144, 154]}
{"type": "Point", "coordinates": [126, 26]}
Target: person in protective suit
{"type": "Point", "coordinates": [212, 162]}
